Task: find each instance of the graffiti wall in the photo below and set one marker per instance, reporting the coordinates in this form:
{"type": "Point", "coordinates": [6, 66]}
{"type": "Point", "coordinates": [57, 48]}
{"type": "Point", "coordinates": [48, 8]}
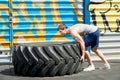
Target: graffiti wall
{"type": "Point", "coordinates": [105, 14]}
{"type": "Point", "coordinates": [4, 25]}
{"type": "Point", "coordinates": [25, 21]}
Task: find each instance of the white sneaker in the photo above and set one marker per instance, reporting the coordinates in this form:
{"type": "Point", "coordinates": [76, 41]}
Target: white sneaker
{"type": "Point", "coordinates": [89, 68]}
{"type": "Point", "coordinates": [107, 66]}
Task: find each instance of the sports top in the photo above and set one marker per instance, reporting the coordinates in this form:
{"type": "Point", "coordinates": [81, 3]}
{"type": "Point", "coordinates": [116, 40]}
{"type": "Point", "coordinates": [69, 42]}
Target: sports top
{"type": "Point", "coordinates": [84, 29]}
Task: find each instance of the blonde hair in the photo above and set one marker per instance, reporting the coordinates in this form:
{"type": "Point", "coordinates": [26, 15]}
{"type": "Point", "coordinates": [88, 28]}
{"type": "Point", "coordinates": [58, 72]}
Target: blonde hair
{"type": "Point", "coordinates": [62, 27]}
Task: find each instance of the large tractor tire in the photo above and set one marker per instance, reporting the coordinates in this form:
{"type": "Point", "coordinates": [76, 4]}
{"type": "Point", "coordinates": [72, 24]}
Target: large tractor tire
{"type": "Point", "coordinates": [47, 59]}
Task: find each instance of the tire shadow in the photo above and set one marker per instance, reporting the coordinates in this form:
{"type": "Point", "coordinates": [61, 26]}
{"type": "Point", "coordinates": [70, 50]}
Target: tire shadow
{"type": "Point", "coordinates": [7, 71]}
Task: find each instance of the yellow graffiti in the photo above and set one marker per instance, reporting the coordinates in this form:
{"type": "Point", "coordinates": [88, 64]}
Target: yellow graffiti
{"type": "Point", "coordinates": [35, 30]}
{"type": "Point", "coordinates": [114, 16]}
{"type": "Point", "coordinates": [58, 37]}
{"type": "Point", "coordinates": [42, 23]}
{"type": "Point", "coordinates": [106, 15]}
{"type": "Point", "coordinates": [39, 26]}
{"type": "Point", "coordinates": [22, 9]}
{"type": "Point", "coordinates": [5, 44]}
{"type": "Point", "coordinates": [54, 5]}
{"type": "Point", "coordinates": [55, 12]}
{"type": "Point", "coordinates": [56, 18]}
{"type": "Point", "coordinates": [3, 6]}
{"type": "Point", "coordinates": [39, 4]}
{"type": "Point", "coordinates": [30, 37]}
{"type": "Point", "coordinates": [78, 13]}
{"type": "Point", "coordinates": [3, 41]}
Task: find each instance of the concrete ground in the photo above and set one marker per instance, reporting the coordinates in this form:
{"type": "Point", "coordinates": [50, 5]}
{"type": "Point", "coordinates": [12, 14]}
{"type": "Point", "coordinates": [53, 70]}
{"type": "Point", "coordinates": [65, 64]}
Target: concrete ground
{"type": "Point", "coordinates": [7, 73]}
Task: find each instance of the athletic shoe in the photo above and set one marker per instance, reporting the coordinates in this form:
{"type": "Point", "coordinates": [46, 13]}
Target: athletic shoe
{"type": "Point", "coordinates": [107, 66]}
{"type": "Point", "coordinates": [89, 68]}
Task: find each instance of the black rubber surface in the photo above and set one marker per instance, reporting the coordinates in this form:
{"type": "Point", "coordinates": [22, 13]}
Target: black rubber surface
{"type": "Point", "coordinates": [47, 59]}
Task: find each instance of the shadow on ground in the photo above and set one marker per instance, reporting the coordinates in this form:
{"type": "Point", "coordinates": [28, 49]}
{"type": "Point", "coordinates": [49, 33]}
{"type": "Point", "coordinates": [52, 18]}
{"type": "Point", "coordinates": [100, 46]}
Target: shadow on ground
{"type": "Point", "coordinates": [7, 73]}
{"type": "Point", "coordinates": [7, 70]}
